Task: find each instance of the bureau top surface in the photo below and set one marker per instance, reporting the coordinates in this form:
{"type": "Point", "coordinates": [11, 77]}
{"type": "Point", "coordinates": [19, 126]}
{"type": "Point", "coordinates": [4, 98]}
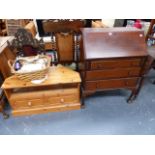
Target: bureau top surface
{"type": "Point", "coordinates": [113, 42]}
{"type": "Point", "coordinates": [57, 75]}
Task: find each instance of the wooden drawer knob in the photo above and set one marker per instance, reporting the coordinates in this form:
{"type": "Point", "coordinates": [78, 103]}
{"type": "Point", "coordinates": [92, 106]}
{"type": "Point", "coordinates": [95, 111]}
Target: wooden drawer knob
{"type": "Point", "coordinates": [29, 103]}
{"type": "Point", "coordinates": [62, 100]}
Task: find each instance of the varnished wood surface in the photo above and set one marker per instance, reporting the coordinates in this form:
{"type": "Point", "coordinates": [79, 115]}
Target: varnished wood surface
{"type": "Point", "coordinates": [115, 63]}
{"type": "Point", "coordinates": [44, 98]}
{"type": "Point", "coordinates": [60, 92]}
{"type": "Point", "coordinates": [43, 101]}
{"type": "Point", "coordinates": [111, 84]}
{"type": "Point", "coordinates": [114, 58]}
{"type": "Point", "coordinates": [105, 43]}
{"type": "Point", "coordinates": [113, 73]}
{"type": "Point", "coordinates": [65, 46]}
{"type": "Point", "coordinates": [6, 55]}
{"type": "Point", "coordinates": [62, 25]}
{"type": "Point", "coordinates": [57, 75]}
{"type": "Point", "coordinates": [46, 109]}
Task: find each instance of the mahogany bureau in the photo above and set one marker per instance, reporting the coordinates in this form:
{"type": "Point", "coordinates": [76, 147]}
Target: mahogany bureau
{"type": "Point", "coordinates": [113, 58]}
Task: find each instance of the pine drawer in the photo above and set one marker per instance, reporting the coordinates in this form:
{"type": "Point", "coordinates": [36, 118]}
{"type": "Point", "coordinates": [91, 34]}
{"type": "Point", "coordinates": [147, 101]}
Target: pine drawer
{"type": "Point", "coordinates": [43, 98]}
{"type": "Point", "coordinates": [68, 99]}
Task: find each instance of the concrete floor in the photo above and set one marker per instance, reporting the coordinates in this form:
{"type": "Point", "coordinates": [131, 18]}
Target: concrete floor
{"type": "Point", "coordinates": [106, 113]}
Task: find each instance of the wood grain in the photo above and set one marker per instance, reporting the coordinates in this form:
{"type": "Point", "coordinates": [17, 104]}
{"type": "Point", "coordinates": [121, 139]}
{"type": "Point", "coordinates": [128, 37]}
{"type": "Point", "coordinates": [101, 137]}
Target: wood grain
{"type": "Point", "coordinates": [113, 58]}
{"type": "Point", "coordinates": [61, 91]}
{"type": "Point", "coordinates": [105, 43]}
{"type": "Point", "coordinates": [65, 47]}
{"type": "Point", "coordinates": [4, 57]}
{"type": "Point", "coordinates": [46, 109]}
{"type": "Point", "coordinates": [57, 75]}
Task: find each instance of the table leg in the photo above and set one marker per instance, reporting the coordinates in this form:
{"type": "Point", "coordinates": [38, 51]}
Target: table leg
{"type": "Point", "coordinates": [132, 96]}
{"type": "Point", "coordinates": [136, 91]}
{"type": "Point", "coordinates": [140, 86]}
{"type": "Point", "coordinates": [5, 115]}
{"type": "Point", "coordinates": [83, 99]}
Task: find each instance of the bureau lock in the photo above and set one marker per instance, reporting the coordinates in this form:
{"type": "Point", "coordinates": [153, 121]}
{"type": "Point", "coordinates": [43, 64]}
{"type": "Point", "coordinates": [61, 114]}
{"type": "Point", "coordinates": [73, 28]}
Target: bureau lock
{"type": "Point", "coordinates": [110, 34]}
{"type": "Point", "coordinates": [126, 83]}
{"type": "Point", "coordinates": [141, 35]}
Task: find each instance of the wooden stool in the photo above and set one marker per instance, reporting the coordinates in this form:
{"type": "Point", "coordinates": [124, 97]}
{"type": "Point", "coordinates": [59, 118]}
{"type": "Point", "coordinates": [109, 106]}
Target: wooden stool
{"type": "Point", "coordinates": [2, 103]}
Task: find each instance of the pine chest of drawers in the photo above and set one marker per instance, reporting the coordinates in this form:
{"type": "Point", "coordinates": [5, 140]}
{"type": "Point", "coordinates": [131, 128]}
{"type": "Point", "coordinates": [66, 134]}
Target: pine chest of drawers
{"type": "Point", "coordinates": [60, 92]}
{"type": "Point", "coordinates": [113, 58]}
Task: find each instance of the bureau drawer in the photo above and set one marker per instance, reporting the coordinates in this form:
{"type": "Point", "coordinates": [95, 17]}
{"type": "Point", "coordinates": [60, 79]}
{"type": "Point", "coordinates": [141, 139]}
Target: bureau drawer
{"type": "Point", "coordinates": [116, 63]}
{"type": "Point", "coordinates": [68, 99]}
{"type": "Point", "coordinates": [113, 73]}
{"type": "Point", "coordinates": [111, 84]}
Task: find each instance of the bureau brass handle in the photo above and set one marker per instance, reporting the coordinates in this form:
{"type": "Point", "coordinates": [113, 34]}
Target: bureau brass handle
{"type": "Point", "coordinates": [99, 66]}
{"type": "Point", "coordinates": [98, 85]}
{"type": "Point", "coordinates": [130, 73]}
{"type": "Point", "coordinates": [126, 83]}
{"type": "Point", "coordinates": [29, 103]}
{"type": "Point", "coordinates": [132, 64]}
{"type": "Point", "coordinates": [62, 100]}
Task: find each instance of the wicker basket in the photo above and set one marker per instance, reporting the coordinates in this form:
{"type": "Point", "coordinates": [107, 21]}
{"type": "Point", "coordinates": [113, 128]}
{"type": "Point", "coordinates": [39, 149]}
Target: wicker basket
{"type": "Point", "coordinates": [32, 75]}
